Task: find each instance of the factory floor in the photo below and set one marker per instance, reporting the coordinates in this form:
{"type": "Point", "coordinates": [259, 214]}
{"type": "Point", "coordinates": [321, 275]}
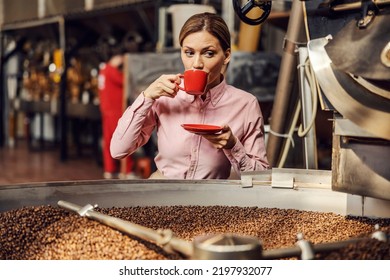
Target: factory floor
{"type": "Point", "coordinates": [23, 164]}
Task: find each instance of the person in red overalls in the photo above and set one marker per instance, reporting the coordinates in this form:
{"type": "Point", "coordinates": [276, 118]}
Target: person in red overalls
{"type": "Point", "coordinates": [111, 106]}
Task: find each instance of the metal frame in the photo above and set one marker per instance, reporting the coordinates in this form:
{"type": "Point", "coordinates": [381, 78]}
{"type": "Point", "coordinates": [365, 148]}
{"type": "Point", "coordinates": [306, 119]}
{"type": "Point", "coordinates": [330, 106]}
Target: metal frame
{"type": "Point", "coordinates": [359, 150]}
{"type": "Point", "coordinates": [310, 191]}
{"type": "Point", "coordinates": [309, 140]}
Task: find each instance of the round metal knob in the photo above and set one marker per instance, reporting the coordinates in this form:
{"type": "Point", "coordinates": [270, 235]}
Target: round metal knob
{"type": "Point", "coordinates": [227, 247]}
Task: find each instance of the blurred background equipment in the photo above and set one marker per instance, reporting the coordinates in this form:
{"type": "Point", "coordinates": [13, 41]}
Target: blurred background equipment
{"type": "Point", "coordinates": [51, 51]}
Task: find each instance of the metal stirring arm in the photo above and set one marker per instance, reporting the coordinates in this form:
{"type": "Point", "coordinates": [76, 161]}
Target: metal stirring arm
{"type": "Point", "coordinates": [163, 238]}
{"type": "Point", "coordinates": [222, 247]}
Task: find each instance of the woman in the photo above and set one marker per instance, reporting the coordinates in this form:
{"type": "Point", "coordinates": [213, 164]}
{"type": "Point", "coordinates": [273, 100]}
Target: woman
{"type": "Point", "coordinates": [205, 45]}
{"type": "Point", "coordinates": [110, 83]}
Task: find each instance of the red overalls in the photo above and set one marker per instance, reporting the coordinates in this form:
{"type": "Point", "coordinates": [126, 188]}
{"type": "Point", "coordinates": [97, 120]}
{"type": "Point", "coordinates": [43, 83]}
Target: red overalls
{"type": "Point", "coordinates": [111, 107]}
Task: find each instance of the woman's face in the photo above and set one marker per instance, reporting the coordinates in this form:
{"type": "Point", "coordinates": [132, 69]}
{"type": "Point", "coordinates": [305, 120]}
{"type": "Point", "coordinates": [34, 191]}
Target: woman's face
{"type": "Point", "coordinates": [202, 51]}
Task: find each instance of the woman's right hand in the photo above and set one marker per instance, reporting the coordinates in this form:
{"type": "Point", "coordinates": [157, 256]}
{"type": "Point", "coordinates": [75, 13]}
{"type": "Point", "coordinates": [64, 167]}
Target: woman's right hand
{"type": "Point", "coordinates": [165, 85]}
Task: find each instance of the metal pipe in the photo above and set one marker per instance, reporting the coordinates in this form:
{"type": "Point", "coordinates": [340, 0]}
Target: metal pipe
{"type": "Point", "coordinates": [328, 9]}
{"type": "Point", "coordinates": [309, 107]}
{"type": "Point", "coordinates": [164, 238]}
{"type": "Point", "coordinates": [3, 103]}
{"type": "Point", "coordinates": [62, 97]}
{"type": "Point", "coordinates": [287, 74]}
{"type": "Point", "coordinates": [317, 248]}
{"type": "Point", "coordinates": [358, 5]}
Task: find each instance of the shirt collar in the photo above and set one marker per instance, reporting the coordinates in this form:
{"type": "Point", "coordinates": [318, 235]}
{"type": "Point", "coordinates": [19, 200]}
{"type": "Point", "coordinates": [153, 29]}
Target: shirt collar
{"type": "Point", "coordinates": [215, 93]}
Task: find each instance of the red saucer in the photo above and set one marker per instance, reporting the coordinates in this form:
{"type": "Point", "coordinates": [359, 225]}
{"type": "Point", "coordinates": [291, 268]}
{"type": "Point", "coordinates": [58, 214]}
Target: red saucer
{"type": "Point", "coordinates": [202, 128]}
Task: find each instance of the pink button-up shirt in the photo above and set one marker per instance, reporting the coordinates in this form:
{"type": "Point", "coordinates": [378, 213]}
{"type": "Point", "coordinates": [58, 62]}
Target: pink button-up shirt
{"type": "Point", "coordinates": [185, 155]}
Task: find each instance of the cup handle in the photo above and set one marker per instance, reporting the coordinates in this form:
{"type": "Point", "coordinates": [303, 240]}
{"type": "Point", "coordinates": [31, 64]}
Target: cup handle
{"type": "Point", "coordinates": [181, 76]}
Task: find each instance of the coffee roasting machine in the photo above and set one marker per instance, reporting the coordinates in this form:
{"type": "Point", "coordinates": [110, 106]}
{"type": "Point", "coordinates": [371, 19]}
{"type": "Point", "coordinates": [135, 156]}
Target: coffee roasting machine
{"type": "Point", "coordinates": [349, 54]}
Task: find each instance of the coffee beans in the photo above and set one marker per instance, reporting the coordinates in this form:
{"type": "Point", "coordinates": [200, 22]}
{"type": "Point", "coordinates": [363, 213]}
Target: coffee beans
{"type": "Point", "coordinates": [48, 232]}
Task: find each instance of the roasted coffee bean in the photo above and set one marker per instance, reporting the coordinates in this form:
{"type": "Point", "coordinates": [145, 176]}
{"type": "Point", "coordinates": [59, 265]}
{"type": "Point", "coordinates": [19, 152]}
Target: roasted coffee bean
{"type": "Point", "coordinates": [52, 233]}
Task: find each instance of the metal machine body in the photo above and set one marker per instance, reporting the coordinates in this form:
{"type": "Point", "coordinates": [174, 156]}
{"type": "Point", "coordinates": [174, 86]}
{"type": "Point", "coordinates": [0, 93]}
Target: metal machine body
{"type": "Point", "coordinates": [348, 46]}
{"type": "Point", "coordinates": [299, 189]}
{"type": "Point", "coordinates": [354, 78]}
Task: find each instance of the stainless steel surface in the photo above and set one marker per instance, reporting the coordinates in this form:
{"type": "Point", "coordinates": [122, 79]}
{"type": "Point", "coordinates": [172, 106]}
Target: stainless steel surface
{"type": "Point", "coordinates": [347, 128]}
{"type": "Point", "coordinates": [385, 55]}
{"type": "Point", "coordinates": [227, 247]}
{"type": "Point", "coordinates": [359, 166]}
{"type": "Point", "coordinates": [109, 193]}
{"type": "Point", "coordinates": [357, 5]}
{"type": "Point", "coordinates": [309, 108]}
{"type": "Point", "coordinates": [361, 133]}
{"type": "Point", "coordinates": [309, 193]}
{"type": "Point", "coordinates": [306, 251]}
{"type": "Point", "coordinates": [358, 50]}
{"type": "Point", "coordinates": [354, 102]}
{"type": "Point", "coordinates": [372, 87]}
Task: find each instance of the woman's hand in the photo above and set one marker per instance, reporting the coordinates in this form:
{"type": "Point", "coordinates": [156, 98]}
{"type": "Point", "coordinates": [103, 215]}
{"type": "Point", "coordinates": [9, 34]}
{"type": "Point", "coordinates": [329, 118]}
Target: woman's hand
{"type": "Point", "coordinates": [223, 140]}
{"type": "Point", "coordinates": [165, 85]}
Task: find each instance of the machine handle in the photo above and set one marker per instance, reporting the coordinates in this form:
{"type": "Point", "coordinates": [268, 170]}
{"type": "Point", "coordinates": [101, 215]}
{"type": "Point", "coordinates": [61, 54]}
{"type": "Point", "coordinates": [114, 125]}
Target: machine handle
{"type": "Point", "coordinates": [244, 10]}
{"type": "Point", "coordinates": [164, 238]}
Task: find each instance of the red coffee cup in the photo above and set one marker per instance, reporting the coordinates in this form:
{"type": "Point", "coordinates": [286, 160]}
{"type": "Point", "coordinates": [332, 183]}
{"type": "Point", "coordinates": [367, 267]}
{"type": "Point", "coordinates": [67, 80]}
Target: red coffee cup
{"type": "Point", "coordinates": [195, 81]}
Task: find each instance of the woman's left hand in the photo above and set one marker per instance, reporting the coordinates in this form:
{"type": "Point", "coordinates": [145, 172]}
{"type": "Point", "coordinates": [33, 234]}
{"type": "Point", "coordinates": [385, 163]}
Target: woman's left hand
{"type": "Point", "coordinates": [223, 140]}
